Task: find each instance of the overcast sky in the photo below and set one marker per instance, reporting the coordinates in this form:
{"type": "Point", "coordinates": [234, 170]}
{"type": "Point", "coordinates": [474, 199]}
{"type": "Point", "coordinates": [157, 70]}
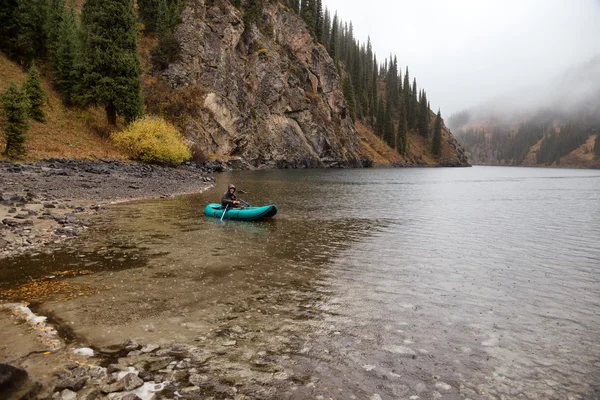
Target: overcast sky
{"type": "Point", "coordinates": [464, 52]}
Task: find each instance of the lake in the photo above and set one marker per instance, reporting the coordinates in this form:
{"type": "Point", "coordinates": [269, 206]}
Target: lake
{"type": "Point", "coordinates": [438, 283]}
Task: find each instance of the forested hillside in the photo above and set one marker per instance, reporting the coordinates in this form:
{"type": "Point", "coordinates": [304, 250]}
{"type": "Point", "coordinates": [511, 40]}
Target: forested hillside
{"type": "Point", "coordinates": [557, 127]}
{"type": "Point", "coordinates": [269, 83]}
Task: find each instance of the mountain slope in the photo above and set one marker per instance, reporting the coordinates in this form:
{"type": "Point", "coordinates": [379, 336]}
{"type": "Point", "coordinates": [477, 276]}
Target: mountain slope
{"type": "Point", "coordinates": [270, 96]}
{"type": "Point", "coordinates": [554, 125]}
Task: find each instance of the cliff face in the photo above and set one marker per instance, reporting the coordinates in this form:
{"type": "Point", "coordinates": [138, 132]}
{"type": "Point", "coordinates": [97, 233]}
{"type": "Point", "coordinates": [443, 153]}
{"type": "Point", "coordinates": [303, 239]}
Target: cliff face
{"type": "Point", "coordinates": [271, 97]}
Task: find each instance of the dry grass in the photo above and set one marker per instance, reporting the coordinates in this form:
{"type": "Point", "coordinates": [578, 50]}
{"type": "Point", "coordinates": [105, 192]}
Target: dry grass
{"type": "Point", "coordinates": [68, 132]}
{"type": "Point", "coordinates": [375, 147]}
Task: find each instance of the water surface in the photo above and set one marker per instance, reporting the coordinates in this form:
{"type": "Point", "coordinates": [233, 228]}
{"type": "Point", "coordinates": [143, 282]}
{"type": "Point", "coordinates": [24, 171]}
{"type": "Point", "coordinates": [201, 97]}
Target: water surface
{"type": "Point", "coordinates": [460, 283]}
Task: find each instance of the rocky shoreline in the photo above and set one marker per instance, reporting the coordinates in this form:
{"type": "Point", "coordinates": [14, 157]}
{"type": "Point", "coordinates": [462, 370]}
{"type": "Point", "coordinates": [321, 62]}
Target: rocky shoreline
{"type": "Point", "coordinates": [47, 202]}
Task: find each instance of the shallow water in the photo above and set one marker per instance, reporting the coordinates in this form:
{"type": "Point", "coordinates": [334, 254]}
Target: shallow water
{"type": "Point", "coordinates": [478, 283]}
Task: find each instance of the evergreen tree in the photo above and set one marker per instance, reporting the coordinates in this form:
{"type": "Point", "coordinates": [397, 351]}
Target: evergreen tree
{"type": "Point", "coordinates": [22, 33]}
{"type": "Point", "coordinates": [67, 59]}
{"type": "Point", "coordinates": [402, 136]}
{"type": "Point", "coordinates": [112, 73]}
{"type": "Point", "coordinates": [380, 122]}
{"type": "Point", "coordinates": [349, 94]}
{"type": "Point", "coordinates": [423, 116]}
{"type": "Point", "coordinates": [597, 145]}
{"type": "Point", "coordinates": [334, 41]}
{"type": "Point", "coordinates": [148, 12]}
{"type": "Point", "coordinates": [436, 145]}
{"type": "Point", "coordinates": [389, 136]}
{"type": "Point", "coordinates": [319, 21]}
{"type": "Point", "coordinates": [35, 94]}
{"type": "Point", "coordinates": [15, 108]}
{"type": "Point", "coordinates": [56, 9]}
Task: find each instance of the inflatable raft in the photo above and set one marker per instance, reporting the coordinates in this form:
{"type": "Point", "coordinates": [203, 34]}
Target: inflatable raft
{"type": "Point", "coordinates": [241, 214]}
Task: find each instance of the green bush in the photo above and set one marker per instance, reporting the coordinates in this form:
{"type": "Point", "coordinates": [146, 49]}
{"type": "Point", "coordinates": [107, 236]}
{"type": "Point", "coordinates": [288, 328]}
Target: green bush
{"type": "Point", "coordinates": [152, 139]}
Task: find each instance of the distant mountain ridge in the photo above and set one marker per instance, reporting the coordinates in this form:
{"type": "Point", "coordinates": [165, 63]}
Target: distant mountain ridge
{"type": "Point", "coordinates": [556, 124]}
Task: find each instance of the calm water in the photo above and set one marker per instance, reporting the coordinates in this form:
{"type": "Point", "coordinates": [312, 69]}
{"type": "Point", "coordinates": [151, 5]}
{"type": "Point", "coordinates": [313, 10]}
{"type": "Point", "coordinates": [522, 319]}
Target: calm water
{"type": "Point", "coordinates": [439, 283]}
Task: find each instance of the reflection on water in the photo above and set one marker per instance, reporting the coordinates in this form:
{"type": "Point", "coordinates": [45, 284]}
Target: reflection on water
{"type": "Point", "coordinates": [478, 283]}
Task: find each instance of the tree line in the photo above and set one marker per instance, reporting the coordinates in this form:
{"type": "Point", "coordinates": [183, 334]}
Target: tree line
{"type": "Point", "coordinates": [93, 55]}
{"type": "Point", "coordinates": [378, 94]}
{"type": "Point", "coordinates": [512, 147]}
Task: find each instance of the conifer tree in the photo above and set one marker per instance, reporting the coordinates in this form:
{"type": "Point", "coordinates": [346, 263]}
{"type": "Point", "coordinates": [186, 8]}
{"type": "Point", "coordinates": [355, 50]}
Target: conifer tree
{"type": "Point", "coordinates": [22, 34]}
{"type": "Point", "coordinates": [112, 73]}
{"type": "Point", "coordinates": [402, 136]}
{"type": "Point", "coordinates": [56, 9]}
{"type": "Point", "coordinates": [349, 94]}
{"type": "Point", "coordinates": [423, 116]}
{"type": "Point", "coordinates": [333, 41]}
{"type": "Point", "coordinates": [67, 59]}
{"type": "Point", "coordinates": [15, 109]}
{"type": "Point", "coordinates": [319, 21]}
{"type": "Point", "coordinates": [380, 122]}
{"type": "Point", "coordinates": [35, 94]}
{"type": "Point", "coordinates": [436, 145]}
{"type": "Point", "coordinates": [597, 146]}
{"type": "Point", "coordinates": [388, 127]}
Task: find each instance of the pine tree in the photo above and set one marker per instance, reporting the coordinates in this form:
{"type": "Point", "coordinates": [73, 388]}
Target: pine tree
{"type": "Point", "coordinates": [380, 122]}
{"type": "Point", "coordinates": [22, 33]}
{"type": "Point", "coordinates": [388, 127]}
{"type": "Point", "coordinates": [15, 108]}
{"type": "Point", "coordinates": [112, 73]}
{"type": "Point", "coordinates": [333, 41]}
{"type": "Point", "coordinates": [349, 94]}
{"type": "Point", "coordinates": [423, 116]}
{"type": "Point", "coordinates": [319, 21]}
{"type": "Point", "coordinates": [436, 145]}
{"type": "Point", "coordinates": [35, 94]}
{"type": "Point", "coordinates": [56, 10]}
{"type": "Point", "coordinates": [148, 13]}
{"type": "Point", "coordinates": [67, 59]}
{"type": "Point", "coordinates": [402, 137]}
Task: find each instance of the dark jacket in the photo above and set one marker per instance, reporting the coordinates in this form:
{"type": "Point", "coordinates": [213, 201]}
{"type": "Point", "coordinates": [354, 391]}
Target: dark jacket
{"type": "Point", "coordinates": [228, 199]}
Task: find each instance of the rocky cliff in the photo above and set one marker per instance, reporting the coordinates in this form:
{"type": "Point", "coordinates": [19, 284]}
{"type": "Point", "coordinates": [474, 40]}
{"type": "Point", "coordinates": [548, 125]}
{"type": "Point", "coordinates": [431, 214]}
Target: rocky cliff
{"type": "Point", "coordinates": [270, 96]}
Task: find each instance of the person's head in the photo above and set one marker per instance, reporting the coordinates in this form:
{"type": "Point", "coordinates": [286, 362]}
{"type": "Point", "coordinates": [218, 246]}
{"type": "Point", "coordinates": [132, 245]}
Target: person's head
{"type": "Point", "coordinates": [231, 189]}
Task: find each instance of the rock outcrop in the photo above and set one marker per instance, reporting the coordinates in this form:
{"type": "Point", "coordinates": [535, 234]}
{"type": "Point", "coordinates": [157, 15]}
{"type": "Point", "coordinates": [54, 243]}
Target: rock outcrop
{"type": "Point", "coordinates": [271, 96]}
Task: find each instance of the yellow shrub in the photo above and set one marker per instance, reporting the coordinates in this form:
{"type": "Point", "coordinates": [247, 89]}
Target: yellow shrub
{"type": "Point", "coordinates": [152, 139]}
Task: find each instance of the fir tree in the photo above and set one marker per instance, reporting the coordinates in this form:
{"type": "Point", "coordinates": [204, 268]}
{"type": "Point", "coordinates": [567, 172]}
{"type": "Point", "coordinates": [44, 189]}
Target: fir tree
{"type": "Point", "coordinates": [112, 73]}
{"type": "Point", "coordinates": [348, 90]}
{"type": "Point", "coordinates": [333, 41]}
{"type": "Point", "coordinates": [22, 34]}
{"type": "Point", "coordinates": [67, 59]}
{"type": "Point", "coordinates": [402, 137]}
{"type": "Point", "coordinates": [423, 116]}
{"type": "Point", "coordinates": [380, 122]}
{"type": "Point", "coordinates": [15, 108]}
{"type": "Point", "coordinates": [319, 21]}
{"type": "Point", "coordinates": [35, 94]}
{"type": "Point", "coordinates": [56, 9]}
{"type": "Point", "coordinates": [388, 127]}
{"type": "Point", "coordinates": [436, 145]}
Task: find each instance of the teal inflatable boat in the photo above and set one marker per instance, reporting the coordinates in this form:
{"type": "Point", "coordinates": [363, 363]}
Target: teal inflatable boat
{"type": "Point", "coordinates": [241, 214]}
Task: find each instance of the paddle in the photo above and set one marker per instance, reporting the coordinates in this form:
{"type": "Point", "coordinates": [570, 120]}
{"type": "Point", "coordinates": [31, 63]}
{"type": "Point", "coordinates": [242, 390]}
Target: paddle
{"type": "Point", "coordinates": [246, 203]}
{"type": "Point", "coordinates": [221, 220]}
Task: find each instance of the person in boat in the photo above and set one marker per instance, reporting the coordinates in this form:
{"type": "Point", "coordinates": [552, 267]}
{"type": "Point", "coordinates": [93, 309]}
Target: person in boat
{"type": "Point", "coordinates": [229, 198]}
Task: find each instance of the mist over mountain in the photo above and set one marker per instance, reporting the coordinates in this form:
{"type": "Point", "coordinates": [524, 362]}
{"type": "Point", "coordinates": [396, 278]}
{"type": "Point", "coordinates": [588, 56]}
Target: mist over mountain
{"type": "Point", "coordinates": [573, 94]}
{"type": "Point", "coordinates": [538, 124]}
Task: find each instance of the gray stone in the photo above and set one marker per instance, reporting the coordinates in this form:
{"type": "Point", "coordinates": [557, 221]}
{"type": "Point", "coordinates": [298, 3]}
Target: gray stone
{"type": "Point", "coordinates": [131, 382]}
{"type": "Point", "coordinates": [74, 384]}
{"type": "Point", "coordinates": [113, 387]}
{"type": "Point", "coordinates": [68, 395]}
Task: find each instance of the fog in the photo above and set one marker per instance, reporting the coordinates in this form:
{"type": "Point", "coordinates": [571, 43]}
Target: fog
{"type": "Point", "coordinates": [466, 52]}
